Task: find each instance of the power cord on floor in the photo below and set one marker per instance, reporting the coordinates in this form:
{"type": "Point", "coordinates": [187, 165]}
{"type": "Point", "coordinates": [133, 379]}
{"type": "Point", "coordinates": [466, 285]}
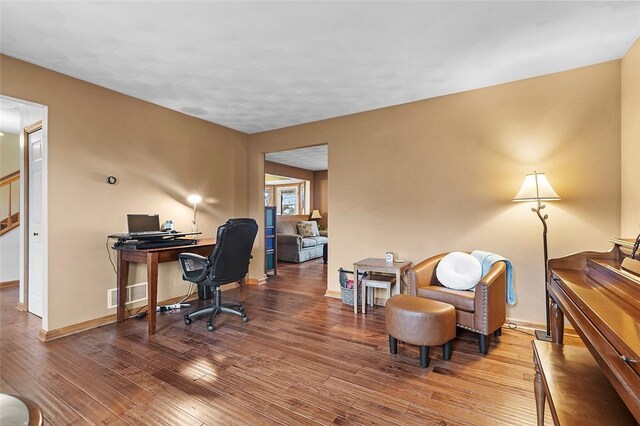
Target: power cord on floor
{"type": "Point", "coordinates": [513, 326]}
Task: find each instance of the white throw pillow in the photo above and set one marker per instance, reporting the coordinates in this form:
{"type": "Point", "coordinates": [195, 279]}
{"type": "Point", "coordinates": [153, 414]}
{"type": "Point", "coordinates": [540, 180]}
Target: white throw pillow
{"type": "Point", "coordinates": [459, 271]}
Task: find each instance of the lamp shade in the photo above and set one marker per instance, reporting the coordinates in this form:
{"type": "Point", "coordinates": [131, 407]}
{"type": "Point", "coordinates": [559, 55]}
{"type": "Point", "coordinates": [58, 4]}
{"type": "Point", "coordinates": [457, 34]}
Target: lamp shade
{"type": "Point", "coordinates": [536, 187]}
{"type": "Point", "coordinates": [194, 198]}
{"type": "Point", "coordinates": [316, 214]}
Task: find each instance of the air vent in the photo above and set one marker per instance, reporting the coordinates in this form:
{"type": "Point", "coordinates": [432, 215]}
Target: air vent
{"type": "Point", "coordinates": [135, 293]}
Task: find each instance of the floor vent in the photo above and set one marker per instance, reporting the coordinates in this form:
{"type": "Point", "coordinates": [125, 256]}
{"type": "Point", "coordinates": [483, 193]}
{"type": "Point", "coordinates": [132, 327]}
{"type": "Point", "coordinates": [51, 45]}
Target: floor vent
{"type": "Point", "coordinates": [135, 293]}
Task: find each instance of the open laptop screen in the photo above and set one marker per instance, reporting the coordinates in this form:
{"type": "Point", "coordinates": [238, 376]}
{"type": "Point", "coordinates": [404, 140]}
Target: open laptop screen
{"type": "Point", "coordinates": [143, 223]}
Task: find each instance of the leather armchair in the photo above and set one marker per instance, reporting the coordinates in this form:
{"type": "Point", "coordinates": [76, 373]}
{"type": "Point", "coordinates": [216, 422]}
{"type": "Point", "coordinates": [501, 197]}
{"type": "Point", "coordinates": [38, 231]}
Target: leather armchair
{"type": "Point", "coordinates": [483, 311]}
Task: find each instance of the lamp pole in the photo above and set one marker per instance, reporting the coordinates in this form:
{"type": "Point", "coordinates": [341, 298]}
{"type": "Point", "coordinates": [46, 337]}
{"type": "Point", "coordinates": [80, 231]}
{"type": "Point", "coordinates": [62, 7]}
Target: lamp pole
{"type": "Point", "coordinates": [537, 188]}
{"type": "Point", "coordinates": [543, 219]}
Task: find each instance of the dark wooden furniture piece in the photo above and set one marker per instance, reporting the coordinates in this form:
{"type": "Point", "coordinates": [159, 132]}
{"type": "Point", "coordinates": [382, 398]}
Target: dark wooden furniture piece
{"type": "Point", "coordinates": [602, 302]}
{"type": "Point", "coordinates": [576, 388]}
{"type": "Point", "coordinates": [270, 241]}
{"type": "Point", "coordinates": [152, 257]}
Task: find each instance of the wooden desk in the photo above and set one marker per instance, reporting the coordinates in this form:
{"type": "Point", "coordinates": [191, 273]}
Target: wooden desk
{"type": "Point", "coordinates": [377, 265]}
{"type": "Point", "coordinates": [152, 257]}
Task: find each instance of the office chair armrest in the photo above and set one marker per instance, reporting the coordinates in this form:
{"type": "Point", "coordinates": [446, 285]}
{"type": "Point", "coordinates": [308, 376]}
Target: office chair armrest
{"type": "Point", "coordinates": [194, 267]}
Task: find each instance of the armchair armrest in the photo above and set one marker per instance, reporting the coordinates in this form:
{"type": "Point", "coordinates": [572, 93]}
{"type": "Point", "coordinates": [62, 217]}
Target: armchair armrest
{"type": "Point", "coordinates": [490, 300]}
{"type": "Point", "coordinates": [324, 233]}
{"type": "Point", "coordinates": [194, 267]}
{"type": "Point", "coordinates": [290, 239]}
{"type": "Point", "coordinates": [423, 274]}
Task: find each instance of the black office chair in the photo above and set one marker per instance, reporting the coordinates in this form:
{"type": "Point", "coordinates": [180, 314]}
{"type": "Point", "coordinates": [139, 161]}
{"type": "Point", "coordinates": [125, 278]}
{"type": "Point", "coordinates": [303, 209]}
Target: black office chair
{"type": "Point", "coordinates": [228, 263]}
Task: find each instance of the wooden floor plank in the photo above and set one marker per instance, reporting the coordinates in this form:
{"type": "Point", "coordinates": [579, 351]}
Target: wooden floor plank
{"type": "Point", "coordinates": [302, 359]}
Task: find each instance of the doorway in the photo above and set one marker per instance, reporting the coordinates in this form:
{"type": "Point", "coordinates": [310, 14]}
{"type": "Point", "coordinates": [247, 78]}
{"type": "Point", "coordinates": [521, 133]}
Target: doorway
{"type": "Point", "coordinates": [29, 121]}
{"type": "Point", "coordinates": [296, 185]}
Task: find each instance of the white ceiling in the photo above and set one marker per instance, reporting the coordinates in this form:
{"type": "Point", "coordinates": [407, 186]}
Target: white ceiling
{"type": "Point", "coordinates": [255, 66]}
{"type": "Point", "coordinates": [313, 158]}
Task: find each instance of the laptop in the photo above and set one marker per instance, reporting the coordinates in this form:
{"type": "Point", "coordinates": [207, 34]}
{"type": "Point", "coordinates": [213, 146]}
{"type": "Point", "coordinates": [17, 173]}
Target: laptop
{"type": "Point", "coordinates": [143, 224]}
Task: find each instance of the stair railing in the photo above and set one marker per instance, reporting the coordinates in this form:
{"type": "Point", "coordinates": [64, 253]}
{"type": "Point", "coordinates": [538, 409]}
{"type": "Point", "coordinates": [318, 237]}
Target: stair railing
{"type": "Point", "coordinates": [13, 219]}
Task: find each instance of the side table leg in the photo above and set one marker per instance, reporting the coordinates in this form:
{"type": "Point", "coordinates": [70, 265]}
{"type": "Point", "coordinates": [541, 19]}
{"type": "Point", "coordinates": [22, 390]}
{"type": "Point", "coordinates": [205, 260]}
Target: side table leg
{"type": "Point", "coordinates": [355, 289]}
{"type": "Point", "coordinates": [364, 297]}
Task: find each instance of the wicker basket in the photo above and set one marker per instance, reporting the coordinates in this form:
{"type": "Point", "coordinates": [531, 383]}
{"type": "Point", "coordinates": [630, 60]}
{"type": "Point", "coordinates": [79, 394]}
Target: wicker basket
{"type": "Point", "coordinates": [346, 294]}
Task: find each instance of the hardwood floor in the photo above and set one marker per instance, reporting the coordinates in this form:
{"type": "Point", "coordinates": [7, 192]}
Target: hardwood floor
{"type": "Point", "coordinates": [302, 359]}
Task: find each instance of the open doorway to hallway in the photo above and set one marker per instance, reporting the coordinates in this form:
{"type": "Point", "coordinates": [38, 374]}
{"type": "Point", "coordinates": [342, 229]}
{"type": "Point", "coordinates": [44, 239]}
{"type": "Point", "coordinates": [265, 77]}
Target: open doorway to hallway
{"type": "Point", "coordinates": [23, 208]}
{"type": "Point", "coordinates": [296, 195]}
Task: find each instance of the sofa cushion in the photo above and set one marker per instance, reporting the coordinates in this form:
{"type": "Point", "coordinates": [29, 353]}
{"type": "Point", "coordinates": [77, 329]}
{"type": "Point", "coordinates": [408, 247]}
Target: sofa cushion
{"type": "Point", "coordinates": [309, 242]}
{"type": "Point", "coordinates": [305, 228]}
{"type": "Point", "coordinates": [459, 271]}
{"type": "Point", "coordinates": [321, 240]}
{"type": "Point", "coordinates": [287, 228]}
{"type": "Point", "coordinates": [463, 300]}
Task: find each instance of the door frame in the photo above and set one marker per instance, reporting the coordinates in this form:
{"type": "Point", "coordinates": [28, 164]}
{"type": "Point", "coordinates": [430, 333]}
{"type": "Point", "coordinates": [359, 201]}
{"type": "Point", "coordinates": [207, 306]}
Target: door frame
{"type": "Point", "coordinates": [25, 211]}
{"type": "Point", "coordinates": [27, 130]}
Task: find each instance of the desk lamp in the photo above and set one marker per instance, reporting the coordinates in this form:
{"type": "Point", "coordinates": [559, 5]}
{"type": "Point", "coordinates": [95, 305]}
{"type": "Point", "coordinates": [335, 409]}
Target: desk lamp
{"type": "Point", "coordinates": [194, 199]}
{"type": "Point", "coordinates": [537, 188]}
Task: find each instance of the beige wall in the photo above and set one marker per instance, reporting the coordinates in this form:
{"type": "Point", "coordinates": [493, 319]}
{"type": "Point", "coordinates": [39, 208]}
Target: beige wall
{"type": "Point", "coordinates": [287, 171]}
{"type": "Point", "coordinates": [321, 195]}
{"type": "Point", "coordinates": [9, 154]}
{"type": "Point", "coordinates": [439, 175]}
{"type": "Point", "coordinates": [631, 142]}
{"type": "Point", "coordinates": [159, 156]}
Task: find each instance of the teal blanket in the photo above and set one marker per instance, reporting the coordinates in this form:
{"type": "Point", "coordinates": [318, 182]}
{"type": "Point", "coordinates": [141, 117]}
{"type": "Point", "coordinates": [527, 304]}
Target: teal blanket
{"type": "Point", "coordinates": [487, 260]}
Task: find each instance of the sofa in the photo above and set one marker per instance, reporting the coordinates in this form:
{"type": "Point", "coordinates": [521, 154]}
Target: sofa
{"type": "Point", "coordinates": [292, 247]}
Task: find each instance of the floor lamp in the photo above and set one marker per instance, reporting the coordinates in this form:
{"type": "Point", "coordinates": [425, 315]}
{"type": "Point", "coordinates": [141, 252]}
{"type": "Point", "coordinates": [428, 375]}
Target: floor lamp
{"type": "Point", "coordinates": [537, 188]}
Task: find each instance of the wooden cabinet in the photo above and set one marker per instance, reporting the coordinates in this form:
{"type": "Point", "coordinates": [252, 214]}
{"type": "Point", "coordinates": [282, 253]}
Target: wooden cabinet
{"type": "Point", "coordinates": [270, 243]}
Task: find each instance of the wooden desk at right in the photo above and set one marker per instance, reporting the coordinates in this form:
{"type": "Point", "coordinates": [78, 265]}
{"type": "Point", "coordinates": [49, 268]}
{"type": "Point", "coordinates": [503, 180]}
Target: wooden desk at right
{"type": "Point", "coordinates": [602, 302]}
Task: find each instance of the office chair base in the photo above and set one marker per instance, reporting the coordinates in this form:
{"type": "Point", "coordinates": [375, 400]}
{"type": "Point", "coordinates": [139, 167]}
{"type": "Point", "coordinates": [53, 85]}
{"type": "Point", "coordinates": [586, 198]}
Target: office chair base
{"type": "Point", "coordinates": [229, 308]}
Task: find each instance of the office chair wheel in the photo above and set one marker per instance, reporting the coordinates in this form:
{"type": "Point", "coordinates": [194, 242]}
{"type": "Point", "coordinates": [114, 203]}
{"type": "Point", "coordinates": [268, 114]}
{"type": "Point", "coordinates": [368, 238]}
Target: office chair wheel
{"type": "Point", "coordinates": [210, 327]}
{"type": "Point", "coordinates": [245, 318]}
{"type": "Point", "coordinates": [187, 320]}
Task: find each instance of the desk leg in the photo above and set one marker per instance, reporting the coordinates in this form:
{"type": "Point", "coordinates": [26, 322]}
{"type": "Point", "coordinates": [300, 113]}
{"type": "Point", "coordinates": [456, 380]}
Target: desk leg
{"type": "Point", "coordinates": [557, 322]}
{"type": "Point", "coordinates": [123, 278]}
{"type": "Point", "coordinates": [152, 289]}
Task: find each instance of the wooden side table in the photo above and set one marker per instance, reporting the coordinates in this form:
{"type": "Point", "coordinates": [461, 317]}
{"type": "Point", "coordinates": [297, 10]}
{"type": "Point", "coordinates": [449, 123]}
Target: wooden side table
{"type": "Point", "coordinates": [377, 265]}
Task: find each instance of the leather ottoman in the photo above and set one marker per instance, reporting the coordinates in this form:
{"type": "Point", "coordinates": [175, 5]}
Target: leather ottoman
{"type": "Point", "coordinates": [420, 322]}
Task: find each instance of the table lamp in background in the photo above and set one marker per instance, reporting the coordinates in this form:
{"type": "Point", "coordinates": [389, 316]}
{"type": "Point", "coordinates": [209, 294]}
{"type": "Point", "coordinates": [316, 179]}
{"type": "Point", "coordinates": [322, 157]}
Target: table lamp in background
{"type": "Point", "coordinates": [537, 188]}
{"type": "Point", "coordinates": [194, 199]}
